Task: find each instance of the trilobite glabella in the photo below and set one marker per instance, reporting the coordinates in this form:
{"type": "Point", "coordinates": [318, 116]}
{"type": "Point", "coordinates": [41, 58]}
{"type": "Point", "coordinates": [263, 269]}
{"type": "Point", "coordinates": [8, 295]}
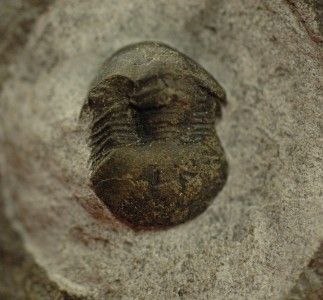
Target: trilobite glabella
{"type": "Point", "coordinates": [155, 155]}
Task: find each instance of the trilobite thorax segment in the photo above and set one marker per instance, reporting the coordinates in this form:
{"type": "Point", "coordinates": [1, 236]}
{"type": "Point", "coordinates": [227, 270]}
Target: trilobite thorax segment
{"type": "Point", "coordinates": [152, 136]}
{"type": "Point", "coordinates": [113, 123]}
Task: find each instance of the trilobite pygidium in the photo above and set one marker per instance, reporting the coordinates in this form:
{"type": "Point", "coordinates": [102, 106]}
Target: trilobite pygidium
{"type": "Point", "coordinates": [156, 158]}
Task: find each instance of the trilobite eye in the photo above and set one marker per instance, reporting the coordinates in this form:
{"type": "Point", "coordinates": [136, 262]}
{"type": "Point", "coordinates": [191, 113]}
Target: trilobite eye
{"type": "Point", "coordinates": [156, 158]}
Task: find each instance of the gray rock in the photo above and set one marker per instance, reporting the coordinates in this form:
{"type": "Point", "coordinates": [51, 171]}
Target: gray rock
{"type": "Point", "coordinates": [260, 232]}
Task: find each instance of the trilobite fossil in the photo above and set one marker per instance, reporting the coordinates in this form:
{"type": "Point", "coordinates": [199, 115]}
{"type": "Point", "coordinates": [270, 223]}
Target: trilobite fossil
{"type": "Point", "coordinates": [156, 158]}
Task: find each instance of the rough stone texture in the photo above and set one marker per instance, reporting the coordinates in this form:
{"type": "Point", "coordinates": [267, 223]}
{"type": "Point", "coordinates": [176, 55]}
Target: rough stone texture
{"type": "Point", "coordinates": [310, 282]}
{"type": "Point", "coordinates": [20, 277]}
{"type": "Point", "coordinates": [264, 227]}
{"type": "Point", "coordinates": [16, 21]}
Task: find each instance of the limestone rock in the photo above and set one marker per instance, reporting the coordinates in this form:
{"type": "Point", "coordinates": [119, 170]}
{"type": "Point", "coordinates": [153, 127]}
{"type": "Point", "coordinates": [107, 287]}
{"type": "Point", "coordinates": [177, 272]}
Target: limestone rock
{"type": "Point", "coordinates": [266, 224]}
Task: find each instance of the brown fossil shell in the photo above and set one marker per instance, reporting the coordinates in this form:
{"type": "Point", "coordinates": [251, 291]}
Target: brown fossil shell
{"type": "Point", "coordinates": [156, 158]}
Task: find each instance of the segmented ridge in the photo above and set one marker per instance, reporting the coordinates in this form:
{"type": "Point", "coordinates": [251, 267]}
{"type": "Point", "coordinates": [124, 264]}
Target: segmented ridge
{"type": "Point", "coordinates": [202, 125]}
{"type": "Point", "coordinates": [161, 124]}
{"type": "Point", "coordinates": [112, 126]}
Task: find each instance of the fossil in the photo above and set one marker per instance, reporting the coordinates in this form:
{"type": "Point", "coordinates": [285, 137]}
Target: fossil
{"type": "Point", "coordinates": [156, 158]}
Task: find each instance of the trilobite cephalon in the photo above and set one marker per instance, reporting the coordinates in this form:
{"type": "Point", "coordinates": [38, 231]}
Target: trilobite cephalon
{"type": "Point", "coordinates": [155, 155]}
